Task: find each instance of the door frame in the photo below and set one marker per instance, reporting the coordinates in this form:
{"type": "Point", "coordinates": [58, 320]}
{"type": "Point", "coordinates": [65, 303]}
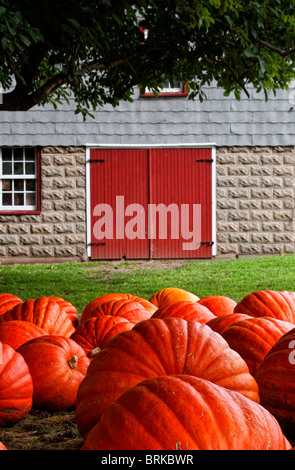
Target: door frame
{"type": "Point", "coordinates": [91, 146]}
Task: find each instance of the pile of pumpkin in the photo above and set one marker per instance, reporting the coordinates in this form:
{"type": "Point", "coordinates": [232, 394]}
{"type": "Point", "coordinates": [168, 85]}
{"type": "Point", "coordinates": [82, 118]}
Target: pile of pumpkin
{"type": "Point", "coordinates": [174, 372]}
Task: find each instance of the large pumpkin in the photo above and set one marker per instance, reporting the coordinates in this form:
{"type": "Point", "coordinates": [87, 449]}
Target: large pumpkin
{"type": "Point", "coordinates": [153, 348]}
{"type": "Point", "coordinates": [269, 303]}
{"type": "Point", "coordinates": [253, 337]}
{"type": "Point", "coordinates": [129, 309]}
{"type": "Point", "coordinates": [16, 386]}
{"type": "Point", "coordinates": [182, 412]}
{"type": "Point", "coordinates": [17, 332]}
{"type": "Point", "coordinates": [68, 308]}
{"type": "Point", "coordinates": [57, 365]}
{"type": "Point", "coordinates": [171, 294]}
{"type": "Point", "coordinates": [93, 304]}
{"type": "Point", "coordinates": [2, 446]}
{"type": "Point", "coordinates": [218, 304]}
{"type": "Point", "coordinates": [276, 379]}
{"type": "Point", "coordinates": [94, 334]}
{"type": "Point", "coordinates": [186, 309]}
{"type": "Point", "coordinates": [8, 301]}
{"type": "Point", "coordinates": [45, 313]}
{"type": "Point", "coordinates": [219, 324]}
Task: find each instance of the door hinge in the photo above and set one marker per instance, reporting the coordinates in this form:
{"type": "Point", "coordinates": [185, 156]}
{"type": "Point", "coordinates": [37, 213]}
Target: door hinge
{"type": "Point", "coordinates": [205, 160]}
{"type": "Point", "coordinates": [96, 244]}
{"type": "Point", "coordinates": [95, 161]}
{"type": "Point", "coordinates": [207, 243]}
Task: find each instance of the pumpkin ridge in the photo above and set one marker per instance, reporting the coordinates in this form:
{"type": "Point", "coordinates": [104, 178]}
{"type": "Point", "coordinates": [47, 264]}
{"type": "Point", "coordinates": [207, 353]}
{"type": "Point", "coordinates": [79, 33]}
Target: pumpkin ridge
{"type": "Point", "coordinates": [289, 301]}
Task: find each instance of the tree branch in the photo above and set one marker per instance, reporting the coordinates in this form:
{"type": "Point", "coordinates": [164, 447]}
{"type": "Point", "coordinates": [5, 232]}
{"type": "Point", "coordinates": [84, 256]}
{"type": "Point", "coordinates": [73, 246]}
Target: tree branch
{"type": "Point", "coordinates": [283, 54]}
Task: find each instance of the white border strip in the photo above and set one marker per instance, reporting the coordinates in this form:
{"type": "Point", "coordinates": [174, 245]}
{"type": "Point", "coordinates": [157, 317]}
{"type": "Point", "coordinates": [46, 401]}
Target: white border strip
{"type": "Point", "coordinates": [88, 203]}
{"type": "Point", "coordinates": [131, 146]}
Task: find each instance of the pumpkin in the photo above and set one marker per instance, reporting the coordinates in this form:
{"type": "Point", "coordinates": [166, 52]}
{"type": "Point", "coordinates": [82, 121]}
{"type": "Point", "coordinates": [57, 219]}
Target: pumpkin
{"type": "Point", "coordinates": [153, 348]}
{"type": "Point", "coordinates": [129, 309]}
{"type": "Point", "coordinates": [188, 413]}
{"type": "Point", "coordinates": [57, 365]}
{"type": "Point", "coordinates": [276, 379]}
{"type": "Point", "coordinates": [269, 303]}
{"type": "Point", "coordinates": [17, 332]}
{"type": "Point", "coordinates": [171, 294]}
{"type": "Point", "coordinates": [16, 386]}
{"type": "Point", "coordinates": [7, 302]}
{"type": "Point", "coordinates": [219, 324]}
{"type": "Point", "coordinates": [87, 312]}
{"type": "Point", "coordinates": [186, 309]}
{"type": "Point", "coordinates": [253, 337]}
{"type": "Point", "coordinates": [68, 308]}
{"type": "Point", "coordinates": [2, 446]}
{"type": "Point", "coordinates": [94, 334]}
{"type": "Point", "coordinates": [218, 304]}
{"type": "Point", "coordinates": [45, 313]}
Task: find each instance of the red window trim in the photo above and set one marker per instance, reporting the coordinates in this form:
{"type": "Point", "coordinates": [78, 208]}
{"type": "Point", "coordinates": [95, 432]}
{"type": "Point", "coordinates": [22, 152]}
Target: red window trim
{"type": "Point", "coordinates": [38, 210]}
{"type": "Point", "coordinates": [165, 93]}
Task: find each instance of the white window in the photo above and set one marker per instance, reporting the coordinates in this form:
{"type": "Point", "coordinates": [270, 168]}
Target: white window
{"type": "Point", "coordinates": [18, 179]}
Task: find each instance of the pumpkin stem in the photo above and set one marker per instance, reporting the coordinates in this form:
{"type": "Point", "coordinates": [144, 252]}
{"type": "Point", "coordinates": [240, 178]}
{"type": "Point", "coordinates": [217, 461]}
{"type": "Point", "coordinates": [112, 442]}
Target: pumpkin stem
{"type": "Point", "coordinates": [94, 351]}
{"type": "Point", "coordinates": [73, 362]}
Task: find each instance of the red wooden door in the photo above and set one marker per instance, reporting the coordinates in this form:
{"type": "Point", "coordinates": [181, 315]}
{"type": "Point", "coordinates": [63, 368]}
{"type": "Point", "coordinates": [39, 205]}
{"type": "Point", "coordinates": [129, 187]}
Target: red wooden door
{"type": "Point", "coordinates": [181, 190]}
{"type": "Point", "coordinates": [151, 203]}
{"type": "Point", "coordinates": [118, 199]}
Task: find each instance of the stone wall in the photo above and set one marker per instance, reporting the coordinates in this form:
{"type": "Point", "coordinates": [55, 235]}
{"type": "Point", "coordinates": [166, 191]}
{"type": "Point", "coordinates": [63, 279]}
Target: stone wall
{"type": "Point", "coordinates": [59, 232]}
{"type": "Point", "coordinates": [255, 207]}
{"type": "Point", "coordinates": [255, 201]}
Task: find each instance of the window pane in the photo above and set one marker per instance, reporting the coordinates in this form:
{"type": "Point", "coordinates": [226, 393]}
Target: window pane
{"type": "Point", "coordinates": [7, 168]}
{"type": "Point", "coordinates": [18, 154]}
{"type": "Point", "coordinates": [30, 154]}
{"type": "Point", "coordinates": [30, 168]}
{"type": "Point", "coordinates": [30, 199]}
{"type": "Point", "coordinates": [18, 199]}
{"type": "Point", "coordinates": [6, 154]}
{"type": "Point", "coordinates": [7, 185]}
{"type": "Point", "coordinates": [19, 185]}
{"type": "Point", "coordinates": [7, 199]}
{"type": "Point", "coordinates": [18, 168]}
{"type": "Point", "coordinates": [30, 185]}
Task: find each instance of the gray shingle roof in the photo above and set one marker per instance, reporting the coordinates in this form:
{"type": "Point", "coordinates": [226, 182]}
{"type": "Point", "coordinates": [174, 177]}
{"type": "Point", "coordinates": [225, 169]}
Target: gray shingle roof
{"type": "Point", "coordinates": [220, 120]}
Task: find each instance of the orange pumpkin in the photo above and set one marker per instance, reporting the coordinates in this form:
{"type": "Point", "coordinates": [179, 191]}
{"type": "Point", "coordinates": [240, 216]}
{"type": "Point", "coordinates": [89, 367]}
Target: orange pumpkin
{"type": "Point", "coordinates": [45, 313]}
{"type": "Point", "coordinates": [94, 334]}
{"type": "Point", "coordinates": [253, 337]}
{"type": "Point", "coordinates": [269, 303]}
{"type": "Point", "coordinates": [16, 387]}
{"type": "Point", "coordinates": [87, 312]}
{"type": "Point", "coordinates": [219, 324]}
{"type": "Point", "coordinates": [129, 309]}
{"type": "Point", "coordinates": [218, 304]}
{"type": "Point", "coordinates": [7, 302]}
{"type": "Point", "coordinates": [57, 365]}
{"type": "Point", "coordinates": [186, 309]}
{"type": "Point", "coordinates": [171, 294]}
{"type": "Point", "coordinates": [17, 332]}
{"type": "Point", "coordinates": [157, 347]}
{"type": "Point", "coordinates": [276, 379]}
{"type": "Point", "coordinates": [188, 413]}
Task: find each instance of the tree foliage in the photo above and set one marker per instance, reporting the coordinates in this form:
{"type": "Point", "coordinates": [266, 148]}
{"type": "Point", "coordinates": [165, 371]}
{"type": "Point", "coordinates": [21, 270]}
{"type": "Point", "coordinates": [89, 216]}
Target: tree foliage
{"type": "Point", "coordinates": [97, 50]}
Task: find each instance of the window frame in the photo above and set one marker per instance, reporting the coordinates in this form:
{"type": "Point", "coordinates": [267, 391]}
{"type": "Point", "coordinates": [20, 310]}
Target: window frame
{"type": "Point", "coordinates": [37, 178]}
{"type": "Point", "coordinates": [166, 93]}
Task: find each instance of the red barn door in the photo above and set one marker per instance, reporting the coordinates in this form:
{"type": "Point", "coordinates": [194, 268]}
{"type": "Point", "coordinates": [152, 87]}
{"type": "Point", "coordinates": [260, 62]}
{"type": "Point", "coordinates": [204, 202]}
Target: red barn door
{"type": "Point", "coordinates": [118, 198]}
{"type": "Point", "coordinates": [151, 203]}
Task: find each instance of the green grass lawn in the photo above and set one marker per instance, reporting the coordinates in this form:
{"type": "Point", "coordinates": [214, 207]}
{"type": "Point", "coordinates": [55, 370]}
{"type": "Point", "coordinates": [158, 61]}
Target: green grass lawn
{"type": "Point", "coordinates": [79, 283]}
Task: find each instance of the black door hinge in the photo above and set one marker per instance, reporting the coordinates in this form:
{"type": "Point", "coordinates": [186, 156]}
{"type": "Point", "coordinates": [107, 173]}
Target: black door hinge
{"type": "Point", "coordinates": [207, 243]}
{"type": "Point", "coordinates": [95, 161]}
{"type": "Point", "coordinates": [205, 160]}
{"type": "Point", "coordinates": [96, 244]}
